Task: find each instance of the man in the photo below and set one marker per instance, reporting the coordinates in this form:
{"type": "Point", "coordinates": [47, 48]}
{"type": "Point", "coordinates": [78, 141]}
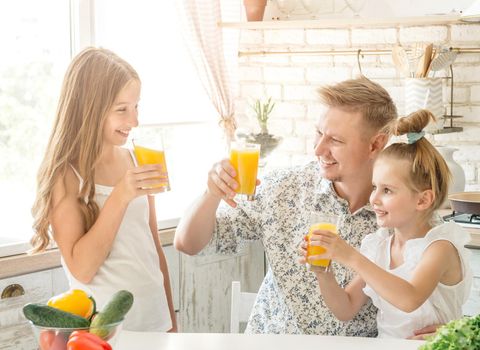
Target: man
{"type": "Point", "coordinates": [349, 137]}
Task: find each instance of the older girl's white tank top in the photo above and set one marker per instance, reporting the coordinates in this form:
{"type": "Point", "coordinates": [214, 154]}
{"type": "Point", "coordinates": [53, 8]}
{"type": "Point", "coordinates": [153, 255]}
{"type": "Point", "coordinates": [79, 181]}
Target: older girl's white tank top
{"type": "Point", "coordinates": [132, 264]}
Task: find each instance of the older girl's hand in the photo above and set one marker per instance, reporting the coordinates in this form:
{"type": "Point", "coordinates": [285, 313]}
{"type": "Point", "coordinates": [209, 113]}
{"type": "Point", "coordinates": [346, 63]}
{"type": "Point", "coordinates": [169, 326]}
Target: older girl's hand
{"type": "Point", "coordinates": [141, 180]}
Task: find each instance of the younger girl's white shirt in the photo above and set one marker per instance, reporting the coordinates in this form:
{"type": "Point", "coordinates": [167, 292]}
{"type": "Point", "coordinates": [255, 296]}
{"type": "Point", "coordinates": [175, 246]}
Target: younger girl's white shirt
{"type": "Point", "coordinates": [133, 264]}
{"type": "Point", "coordinates": [443, 305]}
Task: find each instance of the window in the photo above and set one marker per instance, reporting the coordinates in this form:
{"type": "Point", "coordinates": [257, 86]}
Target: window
{"type": "Point", "coordinates": [35, 53]}
{"type": "Point", "coordinates": [37, 50]}
{"type": "Point", "coordinates": [147, 35]}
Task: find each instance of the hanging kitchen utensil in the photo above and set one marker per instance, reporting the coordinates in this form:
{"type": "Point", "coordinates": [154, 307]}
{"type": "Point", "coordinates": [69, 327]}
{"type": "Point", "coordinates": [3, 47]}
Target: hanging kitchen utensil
{"type": "Point", "coordinates": [413, 57]}
{"type": "Point", "coordinates": [400, 60]}
{"type": "Point", "coordinates": [434, 54]}
{"type": "Point", "coordinates": [424, 62]}
{"type": "Point", "coordinates": [443, 60]}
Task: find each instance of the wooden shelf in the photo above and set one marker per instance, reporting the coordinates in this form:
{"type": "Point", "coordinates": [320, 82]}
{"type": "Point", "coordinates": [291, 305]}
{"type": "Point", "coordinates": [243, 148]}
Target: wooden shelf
{"type": "Point", "coordinates": [342, 22]}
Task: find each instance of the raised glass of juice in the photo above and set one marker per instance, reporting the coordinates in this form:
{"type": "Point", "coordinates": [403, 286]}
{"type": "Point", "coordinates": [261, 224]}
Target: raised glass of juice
{"type": "Point", "coordinates": [320, 221]}
{"type": "Point", "coordinates": [244, 157]}
{"type": "Point", "coordinates": [150, 150]}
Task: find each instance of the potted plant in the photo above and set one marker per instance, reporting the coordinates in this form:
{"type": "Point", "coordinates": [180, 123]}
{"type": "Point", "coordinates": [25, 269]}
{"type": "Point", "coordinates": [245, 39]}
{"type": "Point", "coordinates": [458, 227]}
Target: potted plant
{"type": "Point", "coordinates": [267, 141]}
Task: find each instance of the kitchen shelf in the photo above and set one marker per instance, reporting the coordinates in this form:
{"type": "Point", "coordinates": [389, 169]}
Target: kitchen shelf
{"type": "Point", "coordinates": [342, 22]}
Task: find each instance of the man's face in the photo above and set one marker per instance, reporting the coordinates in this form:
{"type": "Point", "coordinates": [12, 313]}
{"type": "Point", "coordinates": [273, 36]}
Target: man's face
{"type": "Point", "coordinates": [342, 145]}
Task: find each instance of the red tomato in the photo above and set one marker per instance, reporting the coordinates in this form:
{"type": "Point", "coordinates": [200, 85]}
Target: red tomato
{"type": "Point", "coordinates": [59, 343]}
{"type": "Point", "coordinates": [46, 339]}
{"type": "Point", "coordinates": [86, 341]}
{"type": "Point", "coordinates": [51, 341]}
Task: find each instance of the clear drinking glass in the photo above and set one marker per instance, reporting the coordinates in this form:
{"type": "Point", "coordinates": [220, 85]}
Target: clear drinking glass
{"type": "Point", "coordinates": [320, 221]}
{"type": "Point", "coordinates": [244, 157]}
{"type": "Point", "coordinates": [356, 6]}
{"type": "Point", "coordinates": [149, 149]}
{"type": "Point", "coordinates": [315, 6]}
{"type": "Point", "coordinates": [287, 6]}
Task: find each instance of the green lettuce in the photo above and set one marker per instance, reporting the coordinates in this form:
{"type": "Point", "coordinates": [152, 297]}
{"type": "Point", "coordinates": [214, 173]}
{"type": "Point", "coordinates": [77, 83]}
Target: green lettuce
{"type": "Point", "coordinates": [462, 334]}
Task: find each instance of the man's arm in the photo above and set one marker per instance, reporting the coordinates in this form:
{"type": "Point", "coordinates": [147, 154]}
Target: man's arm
{"type": "Point", "coordinates": [196, 227]}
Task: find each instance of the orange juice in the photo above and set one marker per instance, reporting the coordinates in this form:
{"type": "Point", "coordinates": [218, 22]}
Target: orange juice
{"type": "Point", "coordinates": [245, 161]}
{"type": "Point", "coordinates": [146, 155]}
{"type": "Point", "coordinates": [317, 250]}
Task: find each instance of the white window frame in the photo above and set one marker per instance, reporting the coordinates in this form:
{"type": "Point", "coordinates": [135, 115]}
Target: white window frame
{"type": "Point", "coordinates": [82, 34]}
{"type": "Point", "coordinates": [82, 25]}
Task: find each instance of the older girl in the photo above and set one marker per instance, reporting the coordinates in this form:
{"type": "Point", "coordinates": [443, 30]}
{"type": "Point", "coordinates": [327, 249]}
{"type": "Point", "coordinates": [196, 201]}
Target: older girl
{"type": "Point", "coordinates": [94, 199]}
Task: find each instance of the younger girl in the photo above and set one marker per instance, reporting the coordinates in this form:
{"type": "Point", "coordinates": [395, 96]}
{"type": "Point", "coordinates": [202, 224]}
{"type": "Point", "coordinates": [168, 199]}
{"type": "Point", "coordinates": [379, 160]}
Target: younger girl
{"type": "Point", "coordinates": [93, 197]}
{"type": "Point", "coordinates": [415, 273]}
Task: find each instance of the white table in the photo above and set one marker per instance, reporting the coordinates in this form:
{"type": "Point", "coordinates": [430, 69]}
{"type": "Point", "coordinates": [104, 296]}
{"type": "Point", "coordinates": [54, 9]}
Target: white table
{"type": "Point", "coordinates": [223, 341]}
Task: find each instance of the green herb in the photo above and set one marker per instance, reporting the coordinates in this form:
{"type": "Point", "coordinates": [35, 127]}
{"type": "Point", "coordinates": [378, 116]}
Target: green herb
{"type": "Point", "coordinates": [262, 111]}
{"type": "Point", "coordinates": [462, 334]}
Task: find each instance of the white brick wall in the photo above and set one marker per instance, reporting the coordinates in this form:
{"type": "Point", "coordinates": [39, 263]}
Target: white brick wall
{"type": "Point", "coordinates": [465, 33]}
{"type": "Point", "coordinates": [334, 37]}
{"type": "Point", "coordinates": [374, 36]}
{"type": "Point", "coordinates": [435, 34]}
{"type": "Point", "coordinates": [291, 80]}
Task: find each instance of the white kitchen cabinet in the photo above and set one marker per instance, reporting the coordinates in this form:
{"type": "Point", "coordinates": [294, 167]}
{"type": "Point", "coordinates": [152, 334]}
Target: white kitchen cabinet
{"type": "Point", "coordinates": [173, 261]}
{"type": "Point", "coordinates": [15, 332]}
{"type": "Point", "coordinates": [206, 287]}
{"type": "Point", "coordinates": [59, 281]}
{"type": "Point", "coordinates": [472, 306]}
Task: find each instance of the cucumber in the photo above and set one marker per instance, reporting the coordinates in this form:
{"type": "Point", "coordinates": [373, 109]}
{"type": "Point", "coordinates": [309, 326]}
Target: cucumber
{"type": "Point", "coordinates": [114, 311]}
{"type": "Point", "coordinates": [47, 316]}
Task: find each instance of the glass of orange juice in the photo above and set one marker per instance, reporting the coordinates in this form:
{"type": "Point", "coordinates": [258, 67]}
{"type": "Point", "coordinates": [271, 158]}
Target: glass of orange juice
{"type": "Point", "coordinates": [320, 221]}
{"type": "Point", "coordinates": [244, 157]}
{"type": "Point", "coordinates": [150, 150]}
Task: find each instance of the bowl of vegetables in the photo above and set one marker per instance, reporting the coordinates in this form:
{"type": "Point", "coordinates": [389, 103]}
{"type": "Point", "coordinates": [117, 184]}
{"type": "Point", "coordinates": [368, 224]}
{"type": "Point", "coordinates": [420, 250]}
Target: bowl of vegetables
{"type": "Point", "coordinates": [70, 321]}
{"type": "Point", "coordinates": [102, 338]}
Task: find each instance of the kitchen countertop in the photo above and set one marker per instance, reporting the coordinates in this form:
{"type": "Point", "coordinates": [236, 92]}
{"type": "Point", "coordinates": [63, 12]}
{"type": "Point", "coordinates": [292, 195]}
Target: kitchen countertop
{"type": "Point", "coordinates": [221, 341]}
{"type": "Point", "coordinates": [25, 263]}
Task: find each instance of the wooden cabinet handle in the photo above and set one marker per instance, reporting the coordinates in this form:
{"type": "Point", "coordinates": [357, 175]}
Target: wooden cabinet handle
{"type": "Point", "coordinates": [12, 290]}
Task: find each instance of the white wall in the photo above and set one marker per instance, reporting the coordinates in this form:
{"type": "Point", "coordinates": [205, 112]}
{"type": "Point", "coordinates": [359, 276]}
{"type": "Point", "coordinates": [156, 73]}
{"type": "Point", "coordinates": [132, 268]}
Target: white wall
{"type": "Point", "coordinates": [291, 80]}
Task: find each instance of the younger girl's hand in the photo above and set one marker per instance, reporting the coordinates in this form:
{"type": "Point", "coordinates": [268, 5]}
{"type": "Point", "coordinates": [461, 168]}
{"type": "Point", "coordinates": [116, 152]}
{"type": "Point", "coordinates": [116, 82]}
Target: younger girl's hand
{"type": "Point", "coordinates": [302, 251]}
{"type": "Point", "coordinates": [336, 248]}
{"type": "Point", "coordinates": [141, 180]}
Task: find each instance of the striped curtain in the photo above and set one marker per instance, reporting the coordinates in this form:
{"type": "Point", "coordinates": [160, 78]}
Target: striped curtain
{"type": "Point", "coordinates": [214, 52]}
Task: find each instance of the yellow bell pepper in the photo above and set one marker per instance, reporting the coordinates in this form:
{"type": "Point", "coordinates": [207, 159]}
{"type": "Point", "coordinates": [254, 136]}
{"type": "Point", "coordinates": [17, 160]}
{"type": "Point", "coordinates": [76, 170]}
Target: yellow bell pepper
{"type": "Point", "coordinates": [75, 301]}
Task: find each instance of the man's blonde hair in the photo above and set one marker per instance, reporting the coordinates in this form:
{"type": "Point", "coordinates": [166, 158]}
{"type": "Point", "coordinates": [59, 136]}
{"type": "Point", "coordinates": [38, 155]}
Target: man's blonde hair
{"type": "Point", "coordinates": [365, 96]}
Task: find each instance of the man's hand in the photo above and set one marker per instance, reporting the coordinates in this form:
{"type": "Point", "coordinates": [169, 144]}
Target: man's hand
{"type": "Point", "coordinates": [425, 332]}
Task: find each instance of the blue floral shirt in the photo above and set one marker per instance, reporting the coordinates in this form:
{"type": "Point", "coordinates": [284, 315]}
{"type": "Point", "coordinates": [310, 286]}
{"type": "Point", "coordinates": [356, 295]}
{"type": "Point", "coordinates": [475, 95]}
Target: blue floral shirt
{"type": "Point", "coordinates": [289, 299]}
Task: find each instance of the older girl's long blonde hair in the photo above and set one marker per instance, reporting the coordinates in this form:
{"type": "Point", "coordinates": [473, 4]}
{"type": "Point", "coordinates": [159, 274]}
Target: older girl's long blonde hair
{"type": "Point", "coordinates": [91, 84]}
